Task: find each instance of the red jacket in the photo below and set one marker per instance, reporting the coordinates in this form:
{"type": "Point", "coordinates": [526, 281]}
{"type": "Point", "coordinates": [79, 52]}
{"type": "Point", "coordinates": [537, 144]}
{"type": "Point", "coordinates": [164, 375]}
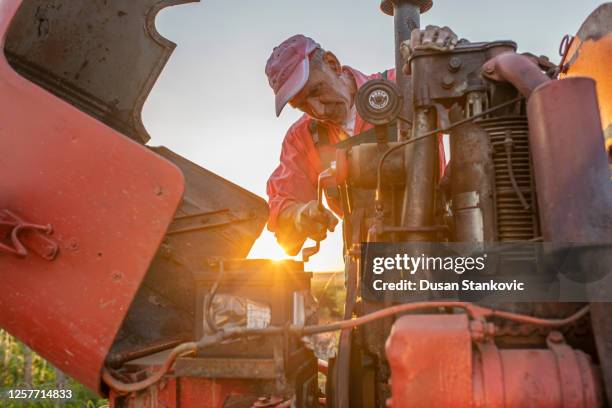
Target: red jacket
{"type": "Point", "coordinates": [295, 178]}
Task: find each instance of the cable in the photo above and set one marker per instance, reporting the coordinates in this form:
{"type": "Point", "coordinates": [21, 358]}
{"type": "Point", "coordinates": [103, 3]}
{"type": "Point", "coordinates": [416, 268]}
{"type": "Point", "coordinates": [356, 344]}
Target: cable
{"type": "Point", "coordinates": [474, 311]}
{"type": "Point", "coordinates": [433, 132]}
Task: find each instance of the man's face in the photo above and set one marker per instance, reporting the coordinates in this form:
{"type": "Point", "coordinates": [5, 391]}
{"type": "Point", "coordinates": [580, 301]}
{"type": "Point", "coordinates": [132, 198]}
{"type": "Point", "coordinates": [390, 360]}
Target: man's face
{"type": "Point", "coordinates": [326, 96]}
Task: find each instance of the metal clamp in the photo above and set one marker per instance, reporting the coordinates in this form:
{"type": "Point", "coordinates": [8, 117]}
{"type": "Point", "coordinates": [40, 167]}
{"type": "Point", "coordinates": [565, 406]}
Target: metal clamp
{"type": "Point", "coordinates": [40, 244]}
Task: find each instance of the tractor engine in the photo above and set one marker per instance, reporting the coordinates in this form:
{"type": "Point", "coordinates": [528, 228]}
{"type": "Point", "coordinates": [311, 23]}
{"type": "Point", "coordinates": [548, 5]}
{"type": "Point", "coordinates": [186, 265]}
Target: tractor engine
{"type": "Point", "coordinates": [511, 128]}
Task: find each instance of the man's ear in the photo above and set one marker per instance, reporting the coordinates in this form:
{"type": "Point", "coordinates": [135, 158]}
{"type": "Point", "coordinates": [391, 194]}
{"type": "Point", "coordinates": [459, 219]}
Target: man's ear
{"type": "Point", "coordinates": [333, 62]}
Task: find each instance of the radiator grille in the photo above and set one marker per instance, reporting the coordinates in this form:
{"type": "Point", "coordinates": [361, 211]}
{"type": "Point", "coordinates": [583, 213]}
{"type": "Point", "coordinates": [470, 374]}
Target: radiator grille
{"type": "Point", "coordinates": [514, 222]}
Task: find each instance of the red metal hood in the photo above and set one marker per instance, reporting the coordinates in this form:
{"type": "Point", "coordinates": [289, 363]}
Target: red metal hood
{"type": "Point", "coordinates": [109, 201]}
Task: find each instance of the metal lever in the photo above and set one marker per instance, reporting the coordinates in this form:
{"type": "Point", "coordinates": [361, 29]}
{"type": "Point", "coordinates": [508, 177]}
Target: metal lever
{"type": "Point", "coordinates": [327, 174]}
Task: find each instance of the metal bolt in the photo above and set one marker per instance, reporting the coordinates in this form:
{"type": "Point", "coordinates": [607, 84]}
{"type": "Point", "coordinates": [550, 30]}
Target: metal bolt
{"type": "Point", "coordinates": [73, 244]}
{"type": "Point", "coordinates": [447, 81]}
{"type": "Point", "coordinates": [454, 64]}
{"type": "Point", "coordinates": [158, 191]}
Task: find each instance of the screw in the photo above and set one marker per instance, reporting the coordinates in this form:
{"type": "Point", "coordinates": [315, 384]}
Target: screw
{"type": "Point", "coordinates": [447, 81]}
{"type": "Point", "coordinates": [454, 64]}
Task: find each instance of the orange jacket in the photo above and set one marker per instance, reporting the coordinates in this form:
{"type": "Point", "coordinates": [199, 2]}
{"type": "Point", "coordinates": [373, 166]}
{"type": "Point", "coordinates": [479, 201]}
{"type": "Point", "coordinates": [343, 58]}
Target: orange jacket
{"type": "Point", "coordinates": [295, 178]}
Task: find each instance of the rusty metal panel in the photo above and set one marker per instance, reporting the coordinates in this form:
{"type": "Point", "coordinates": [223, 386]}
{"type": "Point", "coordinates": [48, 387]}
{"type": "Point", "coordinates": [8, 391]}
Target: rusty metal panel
{"type": "Point", "coordinates": [590, 54]}
{"type": "Point", "coordinates": [570, 164]}
{"type": "Point", "coordinates": [108, 201]}
{"type": "Point", "coordinates": [574, 188]}
{"type": "Point", "coordinates": [216, 218]}
{"type": "Point", "coordinates": [102, 56]}
{"type": "Point", "coordinates": [431, 361]}
{"type": "Point", "coordinates": [252, 368]}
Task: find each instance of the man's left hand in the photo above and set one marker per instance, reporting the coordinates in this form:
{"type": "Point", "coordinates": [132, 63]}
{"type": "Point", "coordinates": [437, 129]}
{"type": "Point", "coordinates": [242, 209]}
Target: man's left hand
{"type": "Point", "coordinates": [431, 38]}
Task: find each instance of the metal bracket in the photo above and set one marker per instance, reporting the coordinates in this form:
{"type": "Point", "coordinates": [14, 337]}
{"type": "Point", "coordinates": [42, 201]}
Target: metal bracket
{"type": "Point", "coordinates": [23, 235]}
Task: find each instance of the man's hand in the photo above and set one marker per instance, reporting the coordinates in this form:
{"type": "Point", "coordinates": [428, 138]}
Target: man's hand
{"type": "Point", "coordinates": [431, 38]}
{"type": "Point", "coordinates": [314, 222]}
{"type": "Point", "coordinates": [300, 221]}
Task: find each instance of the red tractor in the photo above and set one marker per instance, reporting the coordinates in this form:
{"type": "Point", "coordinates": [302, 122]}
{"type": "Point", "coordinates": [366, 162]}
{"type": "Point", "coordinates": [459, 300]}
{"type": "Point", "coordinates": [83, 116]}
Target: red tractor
{"type": "Point", "coordinates": [123, 265]}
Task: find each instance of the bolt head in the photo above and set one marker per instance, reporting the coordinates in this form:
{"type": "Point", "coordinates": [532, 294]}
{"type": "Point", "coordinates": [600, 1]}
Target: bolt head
{"type": "Point", "coordinates": [455, 63]}
{"type": "Point", "coordinates": [447, 81]}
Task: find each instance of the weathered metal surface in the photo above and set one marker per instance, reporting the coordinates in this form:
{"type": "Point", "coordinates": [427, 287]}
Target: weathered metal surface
{"type": "Point", "coordinates": [386, 6]}
{"type": "Point", "coordinates": [260, 368]}
{"type": "Point", "coordinates": [216, 218]}
{"type": "Point", "coordinates": [362, 165]}
{"type": "Point", "coordinates": [444, 360]}
{"type": "Point", "coordinates": [519, 70]}
{"type": "Point", "coordinates": [447, 77]}
{"type": "Point", "coordinates": [513, 179]}
{"type": "Point", "coordinates": [186, 392]}
{"type": "Point", "coordinates": [431, 361]}
{"type": "Point", "coordinates": [570, 164]}
{"type": "Point", "coordinates": [109, 201]}
{"type": "Point", "coordinates": [102, 56]}
{"type": "Point", "coordinates": [406, 17]}
{"type": "Point", "coordinates": [590, 54]}
{"type": "Point", "coordinates": [574, 188]}
{"type": "Point", "coordinates": [421, 178]}
{"type": "Point", "coordinates": [472, 177]}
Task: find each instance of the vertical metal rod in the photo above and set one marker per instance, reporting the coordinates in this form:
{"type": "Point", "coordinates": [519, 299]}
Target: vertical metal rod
{"type": "Point", "coordinates": [418, 208]}
{"type": "Point", "coordinates": [407, 17]}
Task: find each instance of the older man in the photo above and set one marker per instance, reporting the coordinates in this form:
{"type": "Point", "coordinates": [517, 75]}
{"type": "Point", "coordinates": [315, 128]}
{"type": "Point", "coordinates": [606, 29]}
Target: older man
{"type": "Point", "coordinates": [312, 80]}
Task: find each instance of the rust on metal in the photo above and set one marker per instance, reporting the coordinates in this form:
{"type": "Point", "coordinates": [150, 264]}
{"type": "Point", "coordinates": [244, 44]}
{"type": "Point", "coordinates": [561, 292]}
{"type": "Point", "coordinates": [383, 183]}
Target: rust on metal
{"type": "Point", "coordinates": [430, 352]}
{"type": "Point", "coordinates": [88, 182]}
{"type": "Point", "coordinates": [260, 368]}
{"type": "Point", "coordinates": [519, 70]}
{"type": "Point", "coordinates": [461, 362]}
{"type": "Point", "coordinates": [590, 54]}
{"type": "Point", "coordinates": [71, 48]}
{"type": "Point", "coordinates": [574, 187]}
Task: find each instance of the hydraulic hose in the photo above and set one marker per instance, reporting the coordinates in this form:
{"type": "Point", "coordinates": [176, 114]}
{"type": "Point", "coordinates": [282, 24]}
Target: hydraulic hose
{"type": "Point", "coordinates": [474, 311]}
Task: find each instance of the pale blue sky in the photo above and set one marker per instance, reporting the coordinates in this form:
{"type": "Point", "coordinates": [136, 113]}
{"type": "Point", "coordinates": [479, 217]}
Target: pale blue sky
{"type": "Point", "coordinates": [213, 104]}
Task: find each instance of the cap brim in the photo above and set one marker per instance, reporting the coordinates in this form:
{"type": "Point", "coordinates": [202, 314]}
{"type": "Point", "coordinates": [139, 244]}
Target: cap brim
{"type": "Point", "coordinates": [292, 86]}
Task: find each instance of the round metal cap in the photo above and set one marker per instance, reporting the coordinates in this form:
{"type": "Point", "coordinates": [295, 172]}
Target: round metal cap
{"type": "Point", "coordinates": [379, 101]}
{"type": "Point", "coordinates": [387, 5]}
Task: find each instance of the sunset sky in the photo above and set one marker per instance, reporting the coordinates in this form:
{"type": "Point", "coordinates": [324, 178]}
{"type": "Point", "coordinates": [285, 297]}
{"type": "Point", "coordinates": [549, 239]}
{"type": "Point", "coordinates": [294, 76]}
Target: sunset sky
{"type": "Point", "coordinates": [213, 105]}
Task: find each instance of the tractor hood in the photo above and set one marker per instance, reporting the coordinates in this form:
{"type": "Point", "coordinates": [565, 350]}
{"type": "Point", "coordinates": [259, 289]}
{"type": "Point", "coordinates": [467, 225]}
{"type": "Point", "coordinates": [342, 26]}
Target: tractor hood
{"type": "Point", "coordinates": [91, 222]}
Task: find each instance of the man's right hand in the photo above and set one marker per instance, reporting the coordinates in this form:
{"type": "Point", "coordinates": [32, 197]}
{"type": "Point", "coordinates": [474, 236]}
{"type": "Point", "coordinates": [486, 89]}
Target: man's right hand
{"type": "Point", "coordinates": [300, 221]}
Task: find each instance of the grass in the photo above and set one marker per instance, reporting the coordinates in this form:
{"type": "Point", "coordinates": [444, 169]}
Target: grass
{"type": "Point", "coordinates": [19, 365]}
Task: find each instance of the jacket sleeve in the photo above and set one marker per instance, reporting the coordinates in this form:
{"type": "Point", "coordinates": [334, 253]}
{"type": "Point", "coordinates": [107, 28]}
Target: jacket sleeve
{"type": "Point", "coordinates": [295, 178]}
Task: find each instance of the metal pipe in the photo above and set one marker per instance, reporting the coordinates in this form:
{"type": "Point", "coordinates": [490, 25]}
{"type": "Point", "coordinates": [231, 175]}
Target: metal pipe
{"type": "Point", "coordinates": [406, 17]}
{"type": "Point", "coordinates": [519, 70]}
{"type": "Point", "coordinates": [418, 206]}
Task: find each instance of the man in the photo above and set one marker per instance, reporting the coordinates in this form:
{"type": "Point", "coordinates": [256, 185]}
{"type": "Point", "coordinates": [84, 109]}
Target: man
{"type": "Point", "coordinates": [312, 80]}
